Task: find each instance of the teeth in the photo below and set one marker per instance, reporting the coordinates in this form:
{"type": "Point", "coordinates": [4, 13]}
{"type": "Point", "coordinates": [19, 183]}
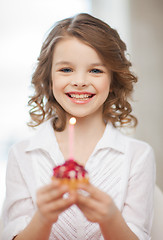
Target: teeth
{"type": "Point", "coordinates": [80, 96]}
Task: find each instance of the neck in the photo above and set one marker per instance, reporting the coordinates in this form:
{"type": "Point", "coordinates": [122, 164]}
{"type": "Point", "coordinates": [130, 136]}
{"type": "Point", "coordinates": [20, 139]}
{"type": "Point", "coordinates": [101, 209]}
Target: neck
{"type": "Point", "coordinates": [87, 132]}
{"type": "Point", "coordinates": [86, 127]}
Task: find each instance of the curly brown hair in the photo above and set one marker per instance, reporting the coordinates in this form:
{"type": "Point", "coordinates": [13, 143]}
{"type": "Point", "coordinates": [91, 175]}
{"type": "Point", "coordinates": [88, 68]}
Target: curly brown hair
{"type": "Point", "coordinates": [107, 43]}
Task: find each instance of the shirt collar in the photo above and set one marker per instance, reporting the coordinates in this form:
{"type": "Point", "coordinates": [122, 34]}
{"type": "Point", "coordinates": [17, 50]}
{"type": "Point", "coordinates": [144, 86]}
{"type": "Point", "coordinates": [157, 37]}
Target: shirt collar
{"type": "Point", "coordinates": [112, 138]}
{"type": "Point", "coordinates": [45, 139]}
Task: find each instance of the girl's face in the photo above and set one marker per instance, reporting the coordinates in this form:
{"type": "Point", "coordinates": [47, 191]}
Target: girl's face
{"type": "Point", "coordinates": [80, 80]}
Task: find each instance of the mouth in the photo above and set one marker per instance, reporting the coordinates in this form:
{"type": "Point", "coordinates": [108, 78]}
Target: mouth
{"type": "Point", "coordinates": [80, 96]}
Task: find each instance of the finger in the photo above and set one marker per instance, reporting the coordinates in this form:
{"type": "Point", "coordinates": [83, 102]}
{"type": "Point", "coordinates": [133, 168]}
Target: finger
{"type": "Point", "coordinates": [49, 187]}
{"type": "Point", "coordinates": [89, 214]}
{"type": "Point", "coordinates": [93, 212]}
{"type": "Point", "coordinates": [88, 202]}
{"type": "Point", "coordinates": [89, 188]}
{"type": "Point", "coordinates": [50, 211]}
{"type": "Point", "coordinates": [53, 195]}
{"type": "Point", "coordinates": [59, 205]}
{"type": "Point", "coordinates": [93, 192]}
{"type": "Point", "coordinates": [92, 215]}
{"type": "Point", "coordinates": [99, 209]}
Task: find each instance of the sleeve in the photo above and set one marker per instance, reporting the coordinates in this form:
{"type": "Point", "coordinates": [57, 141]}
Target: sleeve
{"type": "Point", "coordinates": [138, 206]}
{"type": "Point", "coordinates": [18, 206]}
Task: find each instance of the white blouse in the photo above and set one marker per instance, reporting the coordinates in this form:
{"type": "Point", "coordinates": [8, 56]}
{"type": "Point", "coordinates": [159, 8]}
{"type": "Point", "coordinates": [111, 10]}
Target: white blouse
{"type": "Point", "coordinates": [119, 165]}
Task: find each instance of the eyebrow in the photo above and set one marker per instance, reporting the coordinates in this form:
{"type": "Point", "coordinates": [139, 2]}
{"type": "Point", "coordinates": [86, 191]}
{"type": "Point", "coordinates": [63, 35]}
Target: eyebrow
{"type": "Point", "coordinates": [63, 63]}
{"type": "Point", "coordinates": [98, 64]}
{"type": "Point", "coordinates": [69, 63]}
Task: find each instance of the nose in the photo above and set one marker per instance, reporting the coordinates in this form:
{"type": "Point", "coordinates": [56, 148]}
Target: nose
{"type": "Point", "coordinates": [79, 81]}
{"type": "Point", "coordinates": [79, 85]}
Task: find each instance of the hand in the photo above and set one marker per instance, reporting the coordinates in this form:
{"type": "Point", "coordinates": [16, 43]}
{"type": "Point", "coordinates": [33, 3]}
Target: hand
{"type": "Point", "coordinates": [97, 206]}
{"type": "Point", "coordinates": [50, 201]}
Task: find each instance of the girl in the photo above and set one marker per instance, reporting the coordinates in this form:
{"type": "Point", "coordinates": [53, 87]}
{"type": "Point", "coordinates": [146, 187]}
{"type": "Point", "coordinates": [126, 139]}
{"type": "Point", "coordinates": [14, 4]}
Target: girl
{"type": "Point", "coordinates": [82, 71]}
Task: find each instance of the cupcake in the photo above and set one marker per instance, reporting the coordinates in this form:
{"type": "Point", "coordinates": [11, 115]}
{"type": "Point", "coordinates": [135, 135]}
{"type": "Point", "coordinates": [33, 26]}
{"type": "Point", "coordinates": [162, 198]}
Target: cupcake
{"type": "Point", "coordinates": [71, 173]}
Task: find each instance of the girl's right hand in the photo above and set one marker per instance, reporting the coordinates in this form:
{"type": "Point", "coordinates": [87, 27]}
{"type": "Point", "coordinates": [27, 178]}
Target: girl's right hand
{"type": "Point", "coordinates": [51, 203]}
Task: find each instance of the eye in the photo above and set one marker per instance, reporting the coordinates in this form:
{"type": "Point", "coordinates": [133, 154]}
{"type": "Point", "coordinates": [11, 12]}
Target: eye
{"type": "Point", "coordinates": [65, 70]}
{"type": "Point", "coordinates": [95, 70]}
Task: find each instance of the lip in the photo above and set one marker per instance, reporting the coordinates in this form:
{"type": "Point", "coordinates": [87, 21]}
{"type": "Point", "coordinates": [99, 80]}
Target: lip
{"type": "Point", "coordinates": [78, 100]}
{"type": "Point", "coordinates": [90, 93]}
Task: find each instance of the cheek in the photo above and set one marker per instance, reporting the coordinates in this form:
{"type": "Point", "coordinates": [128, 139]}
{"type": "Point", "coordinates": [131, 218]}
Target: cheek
{"type": "Point", "coordinates": [56, 88]}
{"type": "Point", "coordinates": [57, 84]}
{"type": "Point", "coordinates": [104, 86]}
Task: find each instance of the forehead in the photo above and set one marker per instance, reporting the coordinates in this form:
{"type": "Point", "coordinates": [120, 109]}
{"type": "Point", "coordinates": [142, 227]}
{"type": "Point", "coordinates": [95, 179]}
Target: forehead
{"type": "Point", "coordinates": [71, 48]}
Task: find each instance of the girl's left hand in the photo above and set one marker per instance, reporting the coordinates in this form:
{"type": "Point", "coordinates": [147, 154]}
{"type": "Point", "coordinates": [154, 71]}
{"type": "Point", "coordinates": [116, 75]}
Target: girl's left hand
{"type": "Point", "coordinates": [97, 206]}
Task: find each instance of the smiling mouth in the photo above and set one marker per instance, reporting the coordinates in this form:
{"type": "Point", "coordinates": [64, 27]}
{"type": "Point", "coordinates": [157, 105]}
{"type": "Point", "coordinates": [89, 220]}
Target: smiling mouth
{"type": "Point", "coordinates": [80, 96]}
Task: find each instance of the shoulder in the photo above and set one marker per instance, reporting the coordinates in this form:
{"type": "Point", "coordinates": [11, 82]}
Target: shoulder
{"type": "Point", "coordinates": [42, 142]}
{"type": "Point", "coordinates": [19, 146]}
{"type": "Point", "coordinates": [141, 155]}
{"type": "Point", "coordinates": [37, 139]}
{"type": "Point", "coordinates": [118, 139]}
{"type": "Point", "coordinates": [138, 147]}
{"type": "Point", "coordinates": [129, 142]}
{"type": "Point", "coordinates": [135, 150]}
